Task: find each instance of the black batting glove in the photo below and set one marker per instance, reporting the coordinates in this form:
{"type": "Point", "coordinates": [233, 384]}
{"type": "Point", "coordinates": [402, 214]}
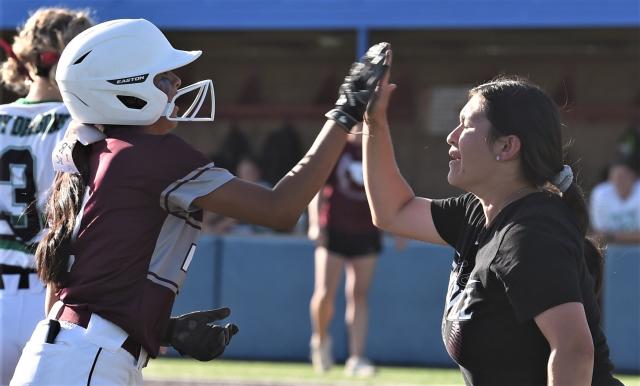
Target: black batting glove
{"type": "Point", "coordinates": [195, 334]}
{"type": "Point", "coordinates": [358, 87]}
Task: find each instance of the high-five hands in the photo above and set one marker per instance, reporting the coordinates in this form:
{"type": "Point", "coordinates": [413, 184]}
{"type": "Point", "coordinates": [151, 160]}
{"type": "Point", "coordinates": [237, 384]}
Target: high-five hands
{"type": "Point", "coordinates": [195, 335]}
{"type": "Point", "coordinates": [359, 86]}
{"type": "Point", "coordinates": [377, 108]}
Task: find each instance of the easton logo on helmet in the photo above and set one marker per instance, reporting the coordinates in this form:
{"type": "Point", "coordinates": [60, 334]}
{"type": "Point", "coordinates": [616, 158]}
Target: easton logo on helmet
{"type": "Point", "coordinates": [129, 80]}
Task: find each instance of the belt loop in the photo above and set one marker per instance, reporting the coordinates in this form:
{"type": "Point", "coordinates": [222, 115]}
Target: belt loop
{"type": "Point", "coordinates": [23, 283]}
{"type": "Point", "coordinates": [142, 359]}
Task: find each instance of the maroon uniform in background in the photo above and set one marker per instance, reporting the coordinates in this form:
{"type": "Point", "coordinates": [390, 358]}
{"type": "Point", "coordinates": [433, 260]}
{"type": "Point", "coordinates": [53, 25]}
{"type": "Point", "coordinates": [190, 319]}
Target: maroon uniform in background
{"type": "Point", "coordinates": [140, 193]}
{"type": "Point", "coordinates": [345, 221]}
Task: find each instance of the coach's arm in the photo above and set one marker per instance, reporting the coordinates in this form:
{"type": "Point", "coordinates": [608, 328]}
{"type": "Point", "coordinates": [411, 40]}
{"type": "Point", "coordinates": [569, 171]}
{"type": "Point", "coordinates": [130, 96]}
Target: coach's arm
{"type": "Point", "coordinates": [571, 359]}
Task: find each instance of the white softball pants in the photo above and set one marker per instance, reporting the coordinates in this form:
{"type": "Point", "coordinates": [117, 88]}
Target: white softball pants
{"type": "Point", "coordinates": [20, 311]}
{"type": "Point", "coordinates": [79, 356]}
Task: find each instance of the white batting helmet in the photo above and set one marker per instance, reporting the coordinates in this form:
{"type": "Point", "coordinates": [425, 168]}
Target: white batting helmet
{"type": "Point", "coordinates": [106, 73]}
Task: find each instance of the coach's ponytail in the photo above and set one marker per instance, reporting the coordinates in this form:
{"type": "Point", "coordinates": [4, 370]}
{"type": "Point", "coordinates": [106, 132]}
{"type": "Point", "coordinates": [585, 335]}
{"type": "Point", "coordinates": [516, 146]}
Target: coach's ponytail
{"type": "Point", "coordinates": [65, 201]}
{"type": "Point", "coordinates": [573, 197]}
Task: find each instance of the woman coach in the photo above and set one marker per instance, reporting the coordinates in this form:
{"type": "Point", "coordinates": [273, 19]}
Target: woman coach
{"type": "Point", "coordinates": [521, 306]}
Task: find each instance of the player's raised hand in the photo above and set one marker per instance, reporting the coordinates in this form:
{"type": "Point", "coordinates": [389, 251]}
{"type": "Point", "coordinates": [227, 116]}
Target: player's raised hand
{"type": "Point", "coordinates": [376, 112]}
{"type": "Point", "coordinates": [358, 87]}
{"type": "Point", "coordinates": [195, 334]}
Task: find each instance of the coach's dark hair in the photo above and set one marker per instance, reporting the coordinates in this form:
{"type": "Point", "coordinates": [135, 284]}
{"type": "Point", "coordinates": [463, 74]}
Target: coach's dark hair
{"type": "Point", "coordinates": [514, 106]}
{"type": "Point", "coordinates": [65, 201]}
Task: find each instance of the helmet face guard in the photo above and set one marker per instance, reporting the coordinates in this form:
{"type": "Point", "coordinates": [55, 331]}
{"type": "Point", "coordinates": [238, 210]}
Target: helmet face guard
{"type": "Point", "coordinates": [204, 88]}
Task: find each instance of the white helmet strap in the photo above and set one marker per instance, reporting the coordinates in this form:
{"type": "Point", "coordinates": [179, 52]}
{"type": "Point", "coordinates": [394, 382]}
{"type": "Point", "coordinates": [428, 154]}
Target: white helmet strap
{"type": "Point", "coordinates": [190, 115]}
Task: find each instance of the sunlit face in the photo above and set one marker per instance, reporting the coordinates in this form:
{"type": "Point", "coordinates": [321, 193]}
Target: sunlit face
{"type": "Point", "coordinates": [169, 83]}
{"type": "Point", "coordinates": [472, 160]}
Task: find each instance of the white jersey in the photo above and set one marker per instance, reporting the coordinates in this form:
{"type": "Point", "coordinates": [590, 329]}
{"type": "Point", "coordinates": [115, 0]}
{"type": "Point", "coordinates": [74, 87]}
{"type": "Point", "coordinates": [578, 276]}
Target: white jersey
{"type": "Point", "coordinates": [28, 133]}
{"type": "Point", "coordinates": [610, 213]}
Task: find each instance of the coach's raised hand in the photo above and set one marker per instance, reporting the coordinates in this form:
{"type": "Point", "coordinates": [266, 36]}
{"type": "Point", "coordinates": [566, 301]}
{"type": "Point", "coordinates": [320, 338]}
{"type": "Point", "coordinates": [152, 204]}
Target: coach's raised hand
{"type": "Point", "coordinates": [376, 111]}
{"type": "Point", "coordinates": [358, 87]}
{"type": "Point", "coordinates": [195, 334]}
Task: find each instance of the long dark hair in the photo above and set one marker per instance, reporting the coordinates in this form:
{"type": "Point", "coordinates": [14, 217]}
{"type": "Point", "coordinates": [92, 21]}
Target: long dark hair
{"type": "Point", "coordinates": [515, 106]}
{"type": "Point", "coordinates": [65, 201]}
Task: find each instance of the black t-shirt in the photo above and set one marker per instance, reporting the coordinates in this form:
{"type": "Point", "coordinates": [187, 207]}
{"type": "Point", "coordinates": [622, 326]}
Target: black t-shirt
{"type": "Point", "coordinates": [530, 259]}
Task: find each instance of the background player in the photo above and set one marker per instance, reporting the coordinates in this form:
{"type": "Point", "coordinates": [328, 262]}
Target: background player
{"type": "Point", "coordinates": [340, 224]}
{"type": "Point", "coordinates": [126, 208]}
{"type": "Point", "coordinates": [615, 204]}
{"type": "Point", "coordinates": [29, 129]}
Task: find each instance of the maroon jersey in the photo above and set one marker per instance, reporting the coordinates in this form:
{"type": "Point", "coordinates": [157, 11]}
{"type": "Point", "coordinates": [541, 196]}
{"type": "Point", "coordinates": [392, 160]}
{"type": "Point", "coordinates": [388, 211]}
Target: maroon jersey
{"type": "Point", "coordinates": [343, 201]}
{"type": "Point", "coordinates": [136, 233]}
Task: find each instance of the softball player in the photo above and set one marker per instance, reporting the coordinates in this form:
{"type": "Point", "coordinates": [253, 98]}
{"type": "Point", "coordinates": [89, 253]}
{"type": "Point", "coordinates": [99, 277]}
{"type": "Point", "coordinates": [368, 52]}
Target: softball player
{"type": "Point", "coordinates": [126, 207]}
{"type": "Point", "coordinates": [29, 129]}
{"type": "Point", "coordinates": [521, 306]}
{"type": "Point", "coordinates": [340, 224]}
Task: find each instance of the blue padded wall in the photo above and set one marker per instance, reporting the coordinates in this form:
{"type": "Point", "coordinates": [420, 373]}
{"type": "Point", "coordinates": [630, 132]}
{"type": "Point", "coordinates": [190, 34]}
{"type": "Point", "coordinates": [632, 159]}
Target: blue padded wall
{"type": "Point", "coordinates": [268, 281]}
{"type": "Point", "coordinates": [621, 306]}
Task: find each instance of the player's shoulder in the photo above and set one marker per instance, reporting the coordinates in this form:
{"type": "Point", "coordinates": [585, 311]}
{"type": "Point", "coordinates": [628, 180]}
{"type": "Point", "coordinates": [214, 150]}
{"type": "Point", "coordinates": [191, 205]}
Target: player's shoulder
{"type": "Point", "coordinates": [154, 151]}
{"type": "Point", "coordinates": [24, 107]}
{"type": "Point", "coordinates": [166, 146]}
{"type": "Point", "coordinates": [183, 155]}
{"type": "Point", "coordinates": [144, 140]}
{"type": "Point", "coordinates": [12, 106]}
{"type": "Point", "coordinates": [172, 140]}
{"type": "Point", "coordinates": [46, 120]}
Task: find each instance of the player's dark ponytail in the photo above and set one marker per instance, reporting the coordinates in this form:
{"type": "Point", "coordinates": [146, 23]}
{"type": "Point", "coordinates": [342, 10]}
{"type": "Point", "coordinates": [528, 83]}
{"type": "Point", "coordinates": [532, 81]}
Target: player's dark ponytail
{"type": "Point", "coordinates": [514, 106]}
{"type": "Point", "coordinates": [67, 193]}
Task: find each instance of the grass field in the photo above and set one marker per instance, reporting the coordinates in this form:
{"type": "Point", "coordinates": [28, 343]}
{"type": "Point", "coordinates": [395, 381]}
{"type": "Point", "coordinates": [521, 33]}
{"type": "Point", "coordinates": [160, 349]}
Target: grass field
{"type": "Point", "coordinates": [287, 373]}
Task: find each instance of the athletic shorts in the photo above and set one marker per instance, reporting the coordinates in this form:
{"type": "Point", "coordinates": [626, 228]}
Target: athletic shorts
{"type": "Point", "coordinates": [350, 245]}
